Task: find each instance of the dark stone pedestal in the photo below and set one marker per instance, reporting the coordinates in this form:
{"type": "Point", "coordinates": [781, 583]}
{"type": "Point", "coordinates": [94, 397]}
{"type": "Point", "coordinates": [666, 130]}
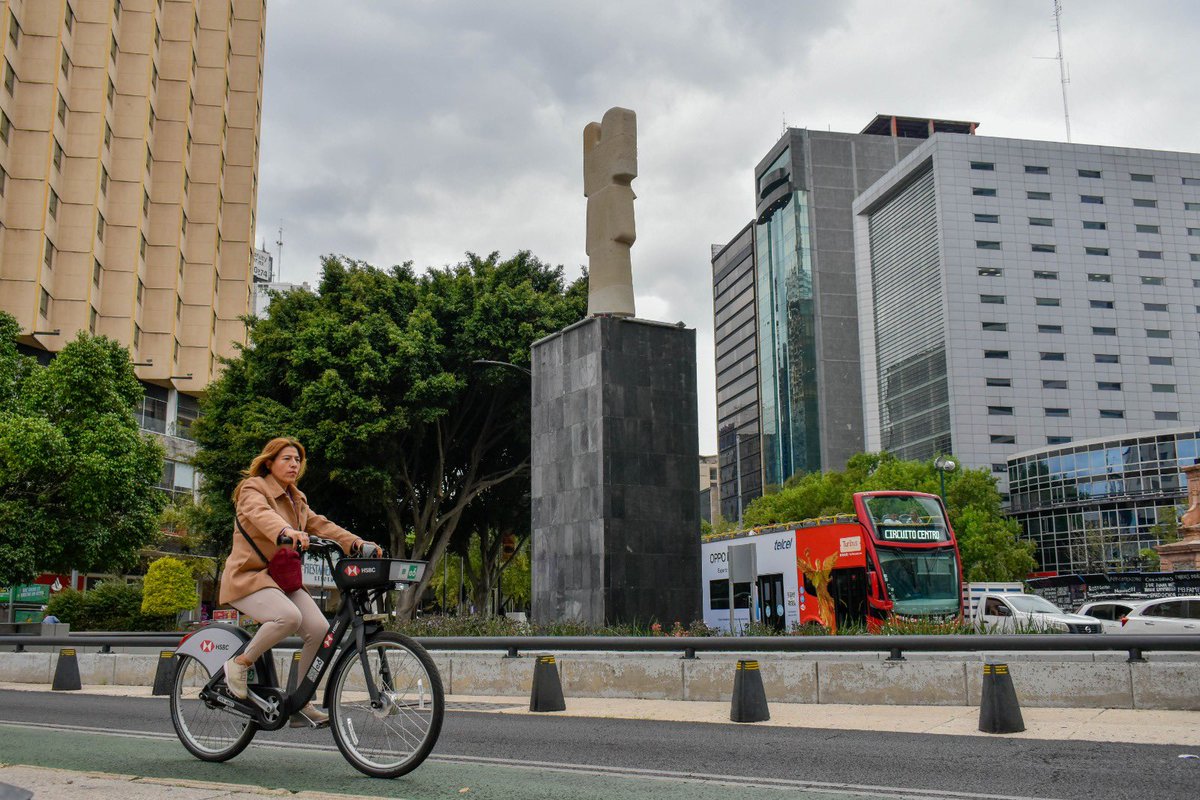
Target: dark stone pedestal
{"type": "Point", "coordinates": [616, 510]}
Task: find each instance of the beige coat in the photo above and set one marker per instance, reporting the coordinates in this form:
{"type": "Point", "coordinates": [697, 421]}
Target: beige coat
{"type": "Point", "coordinates": [264, 509]}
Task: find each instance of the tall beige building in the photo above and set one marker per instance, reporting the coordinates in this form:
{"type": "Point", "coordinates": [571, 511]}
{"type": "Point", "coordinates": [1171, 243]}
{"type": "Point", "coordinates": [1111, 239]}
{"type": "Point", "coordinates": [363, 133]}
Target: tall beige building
{"type": "Point", "coordinates": [128, 176]}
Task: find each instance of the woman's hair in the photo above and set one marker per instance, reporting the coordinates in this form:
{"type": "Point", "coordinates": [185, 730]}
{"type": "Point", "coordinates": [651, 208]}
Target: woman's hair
{"type": "Point", "coordinates": [261, 465]}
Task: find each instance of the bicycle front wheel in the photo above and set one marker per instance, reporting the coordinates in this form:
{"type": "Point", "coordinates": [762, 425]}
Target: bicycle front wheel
{"type": "Point", "coordinates": [393, 739]}
{"type": "Point", "coordinates": [208, 731]}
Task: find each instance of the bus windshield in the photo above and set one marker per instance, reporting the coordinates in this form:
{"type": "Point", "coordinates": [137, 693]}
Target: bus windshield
{"type": "Point", "coordinates": [921, 582]}
{"type": "Point", "coordinates": [906, 518]}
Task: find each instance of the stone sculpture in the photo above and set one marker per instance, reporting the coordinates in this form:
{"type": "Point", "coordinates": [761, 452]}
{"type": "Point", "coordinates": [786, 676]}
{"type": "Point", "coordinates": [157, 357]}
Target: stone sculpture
{"type": "Point", "coordinates": [609, 166]}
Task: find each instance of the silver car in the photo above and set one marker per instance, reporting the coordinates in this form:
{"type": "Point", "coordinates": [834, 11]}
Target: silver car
{"type": "Point", "coordinates": [1164, 615]}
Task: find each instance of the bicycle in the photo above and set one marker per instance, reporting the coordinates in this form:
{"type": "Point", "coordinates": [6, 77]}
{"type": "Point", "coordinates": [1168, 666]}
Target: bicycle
{"type": "Point", "coordinates": [384, 695]}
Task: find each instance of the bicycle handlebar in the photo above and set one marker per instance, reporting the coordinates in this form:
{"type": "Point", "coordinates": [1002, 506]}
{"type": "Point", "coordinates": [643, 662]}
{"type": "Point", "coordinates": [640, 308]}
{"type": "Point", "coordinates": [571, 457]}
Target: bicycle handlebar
{"type": "Point", "coordinates": [327, 546]}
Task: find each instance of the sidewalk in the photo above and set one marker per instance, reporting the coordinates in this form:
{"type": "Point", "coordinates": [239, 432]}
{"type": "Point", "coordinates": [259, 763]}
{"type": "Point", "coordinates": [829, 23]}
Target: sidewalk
{"type": "Point", "coordinates": [61, 784]}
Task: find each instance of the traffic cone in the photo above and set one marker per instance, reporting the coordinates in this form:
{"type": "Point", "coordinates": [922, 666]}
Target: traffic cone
{"type": "Point", "coordinates": [999, 711]}
{"type": "Point", "coordinates": [547, 693]}
{"type": "Point", "coordinates": [66, 674]}
{"type": "Point", "coordinates": [294, 672]}
{"type": "Point", "coordinates": [749, 697]}
{"type": "Point", "coordinates": [164, 675]}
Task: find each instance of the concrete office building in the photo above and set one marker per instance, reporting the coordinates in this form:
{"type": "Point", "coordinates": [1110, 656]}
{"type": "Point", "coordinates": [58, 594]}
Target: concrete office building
{"type": "Point", "coordinates": [128, 176]}
{"type": "Point", "coordinates": [788, 378]}
{"type": "Point", "coordinates": [1094, 504]}
{"type": "Point", "coordinates": [1018, 294]}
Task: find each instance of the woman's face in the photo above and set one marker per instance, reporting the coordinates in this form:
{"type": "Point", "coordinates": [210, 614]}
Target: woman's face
{"type": "Point", "coordinates": [286, 466]}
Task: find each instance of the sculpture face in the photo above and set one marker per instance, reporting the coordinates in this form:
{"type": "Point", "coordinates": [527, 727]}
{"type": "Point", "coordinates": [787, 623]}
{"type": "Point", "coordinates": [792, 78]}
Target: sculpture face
{"type": "Point", "coordinates": [609, 166]}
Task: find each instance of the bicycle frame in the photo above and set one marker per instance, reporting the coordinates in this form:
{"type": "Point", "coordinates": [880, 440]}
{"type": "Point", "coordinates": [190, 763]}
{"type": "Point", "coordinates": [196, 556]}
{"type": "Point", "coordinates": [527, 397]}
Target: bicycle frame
{"type": "Point", "coordinates": [273, 711]}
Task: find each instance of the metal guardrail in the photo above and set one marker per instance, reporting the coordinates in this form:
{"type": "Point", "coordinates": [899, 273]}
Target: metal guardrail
{"type": "Point", "coordinates": [895, 646]}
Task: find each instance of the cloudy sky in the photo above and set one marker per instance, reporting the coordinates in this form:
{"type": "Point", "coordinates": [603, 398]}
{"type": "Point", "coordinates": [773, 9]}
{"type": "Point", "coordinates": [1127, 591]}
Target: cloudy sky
{"type": "Point", "coordinates": [398, 130]}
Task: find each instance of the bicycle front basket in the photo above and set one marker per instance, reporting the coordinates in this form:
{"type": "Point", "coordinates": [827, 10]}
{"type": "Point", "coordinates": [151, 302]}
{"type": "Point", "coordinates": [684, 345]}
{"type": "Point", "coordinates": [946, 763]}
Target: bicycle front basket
{"type": "Point", "coordinates": [369, 573]}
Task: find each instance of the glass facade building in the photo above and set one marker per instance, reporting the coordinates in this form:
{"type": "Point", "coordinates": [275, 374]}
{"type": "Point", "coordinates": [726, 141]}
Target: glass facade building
{"type": "Point", "coordinates": [1093, 505]}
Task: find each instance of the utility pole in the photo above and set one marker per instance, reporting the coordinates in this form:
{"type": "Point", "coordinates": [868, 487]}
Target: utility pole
{"type": "Point", "coordinates": [279, 260]}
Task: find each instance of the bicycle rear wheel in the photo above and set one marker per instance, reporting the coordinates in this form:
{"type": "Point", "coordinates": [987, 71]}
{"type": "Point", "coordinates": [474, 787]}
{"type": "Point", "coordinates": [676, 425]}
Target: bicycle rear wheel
{"type": "Point", "coordinates": [395, 738]}
{"type": "Point", "coordinates": [209, 732]}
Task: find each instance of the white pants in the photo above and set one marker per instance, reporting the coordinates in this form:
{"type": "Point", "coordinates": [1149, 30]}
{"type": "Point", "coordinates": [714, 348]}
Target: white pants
{"type": "Point", "coordinates": [279, 616]}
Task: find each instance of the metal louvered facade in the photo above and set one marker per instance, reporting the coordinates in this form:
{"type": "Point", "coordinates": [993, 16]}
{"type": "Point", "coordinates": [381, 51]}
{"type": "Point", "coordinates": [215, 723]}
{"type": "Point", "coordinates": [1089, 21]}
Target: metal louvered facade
{"type": "Point", "coordinates": [910, 338]}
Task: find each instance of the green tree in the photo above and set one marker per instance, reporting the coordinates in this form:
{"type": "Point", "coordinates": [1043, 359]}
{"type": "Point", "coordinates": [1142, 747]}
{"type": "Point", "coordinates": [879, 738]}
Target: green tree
{"type": "Point", "coordinates": [375, 374]}
{"type": "Point", "coordinates": [169, 587]}
{"type": "Point", "coordinates": [988, 542]}
{"type": "Point", "coordinates": [77, 478]}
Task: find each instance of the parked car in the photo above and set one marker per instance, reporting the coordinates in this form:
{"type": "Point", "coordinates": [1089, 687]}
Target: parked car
{"type": "Point", "coordinates": [1164, 615]}
{"type": "Point", "coordinates": [1109, 612]}
{"type": "Point", "coordinates": [1022, 613]}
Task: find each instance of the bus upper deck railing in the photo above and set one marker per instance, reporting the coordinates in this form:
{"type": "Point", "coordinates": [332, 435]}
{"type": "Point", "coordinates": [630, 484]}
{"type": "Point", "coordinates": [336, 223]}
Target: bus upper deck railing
{"type": "Point", "coordinates": [894, 645]}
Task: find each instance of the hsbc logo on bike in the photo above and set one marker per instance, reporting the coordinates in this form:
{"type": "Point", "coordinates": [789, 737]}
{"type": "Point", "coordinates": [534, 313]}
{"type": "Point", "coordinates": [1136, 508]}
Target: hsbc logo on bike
{"type": "Point", "coordinates": [207, 646]}
{"type": "Point", "coordinates": [328, 639]}
{"type": "Point", "coordinates": [352, 570]}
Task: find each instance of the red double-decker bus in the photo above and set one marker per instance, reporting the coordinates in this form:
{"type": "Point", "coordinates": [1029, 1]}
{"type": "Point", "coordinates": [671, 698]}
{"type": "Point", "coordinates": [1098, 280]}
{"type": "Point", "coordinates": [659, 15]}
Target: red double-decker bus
{"type": "Point", "coordinates": [894, 557]}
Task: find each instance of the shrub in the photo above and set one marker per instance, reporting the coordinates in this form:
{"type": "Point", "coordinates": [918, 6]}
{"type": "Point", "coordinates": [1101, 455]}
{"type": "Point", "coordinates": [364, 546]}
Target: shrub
{"type": "Point", "coordinates": [108, 607]}
{"type": "Point", "coordinates": [67, 605]}
{"type": "Point", "coordinates": [169, 588]}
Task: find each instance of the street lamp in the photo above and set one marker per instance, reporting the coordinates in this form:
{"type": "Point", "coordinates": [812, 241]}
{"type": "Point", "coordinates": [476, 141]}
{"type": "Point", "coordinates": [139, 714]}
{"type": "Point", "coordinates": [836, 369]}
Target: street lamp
{"type": "Point", "coordinates": [944, 464]}
{"type": "Point", "coordinates": [490, 363]}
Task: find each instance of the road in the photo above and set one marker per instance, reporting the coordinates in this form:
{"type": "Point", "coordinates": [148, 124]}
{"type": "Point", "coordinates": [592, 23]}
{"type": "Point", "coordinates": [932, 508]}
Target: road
{"type": "Point", "coordinates": [543, 756]}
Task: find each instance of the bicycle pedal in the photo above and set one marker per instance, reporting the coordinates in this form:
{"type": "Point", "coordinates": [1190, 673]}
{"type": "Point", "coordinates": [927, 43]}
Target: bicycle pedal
{"type": "Point", "coordinates": [374, 617]}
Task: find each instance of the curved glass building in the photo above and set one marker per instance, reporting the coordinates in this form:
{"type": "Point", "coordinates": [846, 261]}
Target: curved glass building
{"type": "Point", "coordinates": [1092, 505]}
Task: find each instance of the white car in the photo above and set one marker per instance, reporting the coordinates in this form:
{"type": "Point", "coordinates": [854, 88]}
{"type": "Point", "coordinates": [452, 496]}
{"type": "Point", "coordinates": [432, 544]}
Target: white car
{"type": "Point", "coordinates": [1109, 612]}
{"type": "Point", "coordinates": [1002, 612]}
{"type": "Point", "coordinates": [1164, 615]}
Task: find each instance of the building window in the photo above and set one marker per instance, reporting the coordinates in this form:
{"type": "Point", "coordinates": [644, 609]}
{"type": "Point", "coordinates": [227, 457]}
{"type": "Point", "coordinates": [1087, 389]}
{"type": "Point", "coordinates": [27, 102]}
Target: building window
{"type": "Point", "coordinates": [1166, 416]}
{"type": "Point", "coordinates": [142, 247]}
{"type": "Point", "coordinates": [1158, 333]}
{"type": "Point", "coordinates": [1099, 277]}
{"type": "Point", "coordinates": [1153, 280]}
{"type": "Point", "coordinates": [107, 135]}
{"type": "Point", "coordinates": [14, 29]}
{"type": "Point", "coordinates": [141, 291]}
{"type": "Point", "coordinates": [1163, 388]}
{"type": "Point", "coordinates": [1058, 440]}
{"type": "Point", "coordinates": [53, 206]}
{"type": "Point", "coordinates": [1108, 386]}
{"type": "Point", "coordinates": [1154, 306]}
{"type": "Point", "coordinates": [992, 299]}
{"type": "Point", "coordinates": [1107, 358]}
{"type": "Point", "coordinates": [1047, 355]}
{"type": "Point", "coordinates": [1036, 170]}
{"type": "Point", "coordinates": [96, 272]}
{"type": "Point", "coordinates": [999, 382]}
{"type": "Point", "coordinates": [995, 354]}
{"type": "Point", "coordinates": [65, 64]}
{"type": "Point", "coordinates": [58, 155]}
{"type": "Point", "coordinates": [992, 218]}
{"type": "Point", "coordinates": [137, 335]}
{"type": "Point", "coordinates": [986, 245]}
{"type": "Point", "coordinates": [1096, 251]}
{"type": "Point", "coordinates": [1154, 254]}
{"type": "Point", "coordinates": [1094, 225]}
{"type": "Point", "coordinates": [1054, 383]}
{"type": "Point", "coordinates": [1042, 248]}
{"type": "Point", "coordinates": [1193, 231]}
{"type": "Point", "coordinates": [1111, 413]}
{"type": "Point", "coordinates": [1089, 173]}
{"type": "Point", "coordinates": [1041, 222]}
{"type": "Point", "coordinates": [1144, 202]}
{"type": "Point", "coordinates": [994, 326]}
{"type": "Point", "coordinates": [1058, 412]}
{"type": "Point", "coordinates": [1191, 181]}
{"type": "Point", "coordinates": [112, 49]}
{"type": "Point", "coordinates": [1003, 438]}
{"type": "Point", "coordinates": [1037, 195]}
{"type": "Point", "coordinates": [1000, 411]}
{"type": "Point", "coordinates": [62, 109]}
{"type": "Point", "coordinates": [1050, 328]}
{"type": "Point", "coordinates": [1103, 331]}
{"type": "Point", "coordinates": [1092, 199]}
{"type": "Point", "coordinates": [92, 321]}
{"type": "Point", "coordinates": [990, 272]}
{"type": "Point", "coordinates": [1162, 361]}
{"type": "Point", "coordinates": [987, 166]}
{"type": "Point", "coordinates": [48, 253]}
{"type": "Point", "coordinates": [981, 191]}
{"type": "Point", "coordinates": [998, 466]}
{"type": "Point", "coordinates": [1047, 301]}
{"type": "Point", "coordinates": [10, 78]}
{"type": "Point", "coordinates": [70, 18]}
{"type": "Point", "coordinates": [1146, 228]}
{"type": "Point", "coordinates": [1141, 177]}
{"type": "Point", "coordinates": [1045, 275]}
{"type": "Point", "coordinates": [44, 303]}
{"type": "Point", "coordinates": [100, 227]}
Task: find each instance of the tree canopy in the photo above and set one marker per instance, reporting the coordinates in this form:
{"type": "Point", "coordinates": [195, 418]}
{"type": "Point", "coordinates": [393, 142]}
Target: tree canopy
{"type": "Point", "coordinates": [375, 374]}
{"type": "Point", "coordinates": [77, 477]}
{"type": "Point", "coordinates": [988, 541]}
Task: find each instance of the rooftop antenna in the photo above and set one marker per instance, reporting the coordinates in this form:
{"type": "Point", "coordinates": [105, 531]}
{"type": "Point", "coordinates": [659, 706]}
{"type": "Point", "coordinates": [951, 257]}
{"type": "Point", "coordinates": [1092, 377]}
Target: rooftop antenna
{"type": "Point", "coordinates": [1062, 65]}
{"type": "Point", "coordinates": [784, 131]}
{"type": "Point", "coordinates": [279, 261]}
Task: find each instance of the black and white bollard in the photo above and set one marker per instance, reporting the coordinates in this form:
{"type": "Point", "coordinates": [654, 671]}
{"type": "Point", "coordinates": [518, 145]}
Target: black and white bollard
{"type": "Point", "coordinates": [164, 675]}
{"type": "Point", "coordinates": [547, 693]}
{"type": "Point", "coordinates": [66, 673]}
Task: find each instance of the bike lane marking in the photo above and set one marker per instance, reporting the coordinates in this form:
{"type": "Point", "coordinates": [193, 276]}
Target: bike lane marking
{"type": "Point", "coordinates": [159, 756]}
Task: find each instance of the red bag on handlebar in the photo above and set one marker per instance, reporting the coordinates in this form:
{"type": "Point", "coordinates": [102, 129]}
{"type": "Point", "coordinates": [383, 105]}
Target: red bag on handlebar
{"type": "Point", "coordinates": [283, 567]}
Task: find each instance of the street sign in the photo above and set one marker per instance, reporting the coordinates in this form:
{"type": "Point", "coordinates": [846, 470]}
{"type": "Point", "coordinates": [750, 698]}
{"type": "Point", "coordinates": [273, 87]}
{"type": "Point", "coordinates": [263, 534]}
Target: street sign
{"type": "Point", "coordinates": [28, 593]}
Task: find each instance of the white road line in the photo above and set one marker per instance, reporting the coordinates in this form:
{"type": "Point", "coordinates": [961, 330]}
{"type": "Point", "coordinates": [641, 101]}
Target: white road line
{"type": "Point", "coordinates": [758, 782]}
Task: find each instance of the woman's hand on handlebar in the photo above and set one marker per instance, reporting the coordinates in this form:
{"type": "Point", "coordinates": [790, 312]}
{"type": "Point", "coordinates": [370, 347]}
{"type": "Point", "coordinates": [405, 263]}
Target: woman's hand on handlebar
{"type": "Point", "coordinates": [294, 539]}
{"type": "Point", "coordinates": [367, 549]}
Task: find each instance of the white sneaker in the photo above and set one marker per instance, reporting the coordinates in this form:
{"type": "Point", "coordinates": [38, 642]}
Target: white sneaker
{"type": "Point", "coordinates": [235, 678]}
{"type": "Point", "coordinates": [309, 717]}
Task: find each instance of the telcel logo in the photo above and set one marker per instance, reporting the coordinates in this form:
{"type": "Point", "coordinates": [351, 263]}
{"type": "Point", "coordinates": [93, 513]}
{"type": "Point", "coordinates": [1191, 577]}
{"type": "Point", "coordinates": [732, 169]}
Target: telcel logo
{"type": "Point", "coordinates": [783, 544]}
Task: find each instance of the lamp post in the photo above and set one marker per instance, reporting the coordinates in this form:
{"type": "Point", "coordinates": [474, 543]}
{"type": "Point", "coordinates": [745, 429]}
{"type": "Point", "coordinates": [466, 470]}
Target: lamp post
{"type": "Point", "coordinates": [487, 362]}
{"type": "Point", "coordinates": [944, 464]}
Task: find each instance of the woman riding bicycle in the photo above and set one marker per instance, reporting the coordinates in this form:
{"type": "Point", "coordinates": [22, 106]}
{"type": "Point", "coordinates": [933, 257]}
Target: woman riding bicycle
{"type": "Point", "coordinates": [268, 506]}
